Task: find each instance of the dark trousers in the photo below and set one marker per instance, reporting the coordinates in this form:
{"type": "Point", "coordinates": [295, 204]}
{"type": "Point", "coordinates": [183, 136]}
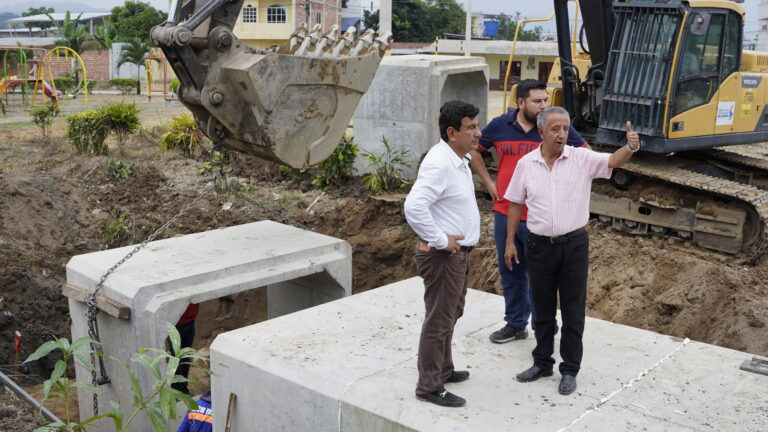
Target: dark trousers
{"type": "Point", "coordinates": [187, 335]}
{"type": "Point", "coordinates": [559, 268]}
{"type": "Point", "coordinates": [445, 287]}
{"type": "Point", "coordinates": [514, 283]}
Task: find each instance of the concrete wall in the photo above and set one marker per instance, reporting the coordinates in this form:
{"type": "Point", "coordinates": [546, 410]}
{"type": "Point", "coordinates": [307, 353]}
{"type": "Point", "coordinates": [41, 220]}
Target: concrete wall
{"type": "Point", "coordinates": [404, 100]}
{"type": "Point", "coordinates": [96, 64]}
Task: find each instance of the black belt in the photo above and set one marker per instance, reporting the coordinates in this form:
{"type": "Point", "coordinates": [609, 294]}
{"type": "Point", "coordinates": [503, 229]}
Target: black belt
{"type": "Point", "coordinates": [565, 238]}
{"type": "Point", "coordinates": [466, 249]}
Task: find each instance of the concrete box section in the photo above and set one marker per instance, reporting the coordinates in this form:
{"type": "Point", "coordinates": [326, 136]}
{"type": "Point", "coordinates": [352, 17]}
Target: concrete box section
{"type": "Point", "coordinates": [300, 268]}
{"type": "Point", "coordinates": [350, 365]}
{"type": "Point", "coordinates": [404, 100]}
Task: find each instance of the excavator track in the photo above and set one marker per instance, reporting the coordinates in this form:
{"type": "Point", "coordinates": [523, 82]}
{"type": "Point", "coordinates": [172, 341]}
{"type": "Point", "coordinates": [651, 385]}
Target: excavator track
{"type": "Point", "coordinates": [665, 198]}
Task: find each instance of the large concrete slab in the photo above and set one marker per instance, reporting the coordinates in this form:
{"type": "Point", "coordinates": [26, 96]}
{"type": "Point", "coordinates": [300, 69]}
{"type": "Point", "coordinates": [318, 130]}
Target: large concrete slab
{"type": "Point", "coordinates": [403, 102]}
{"type": "Point", "coordinates": [300, 268]}
{"type": "Point", "coordinates": [351, 365]}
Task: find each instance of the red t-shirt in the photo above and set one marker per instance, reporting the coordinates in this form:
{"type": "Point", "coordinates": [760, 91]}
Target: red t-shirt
{"type": "Point", "coordinates": [189, 314]}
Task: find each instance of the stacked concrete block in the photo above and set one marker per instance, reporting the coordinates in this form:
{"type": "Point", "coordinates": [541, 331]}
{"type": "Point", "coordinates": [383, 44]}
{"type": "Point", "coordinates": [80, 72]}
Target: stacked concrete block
{"type": "Point", "coordinates": [300, 268]}
{"type": "Point", "coordinates": [404, 100]}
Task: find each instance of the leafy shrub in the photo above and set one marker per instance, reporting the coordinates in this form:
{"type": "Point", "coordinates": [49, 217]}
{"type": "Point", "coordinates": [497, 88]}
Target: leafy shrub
{"type": "Point", "coordinates": [117, 170]}
{"type": "Point", "coordinates": [387, 168]}
{"type": "Point", "coordinates": [338, 166]}
{"type": "Point", "coordinates": [174, 86]}
{"type": "Point", "coordinates": [159, 405]}
{"type": "Point", "coordinates": [87, 131]}
{"type": "Point", "coordinates": [65, 84]}
{"type": "Point", "coordinates": [42, 116]}
{"type": "Point", "coordinates": [117, 230]}
{"type": "Point", "coordinates": [121, 118]}
{"type": "Point", "coordinates": [125, 85]}
{"type": "Point", "coordinates": [183, 135]}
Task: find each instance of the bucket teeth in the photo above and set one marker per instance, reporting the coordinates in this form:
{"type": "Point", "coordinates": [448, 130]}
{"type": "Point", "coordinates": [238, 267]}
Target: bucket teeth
{"type": "Point", "coordinates": [309, 42]}
{"type": "Point", "coordinates": [382, 42]}
{"type": "Point", "coordinates": [363, 43]}
{"type": "Point", "coordinates": [326, 42]}
{"type": "Point", "coordinates": [295, 41]}
{"type": "Point", "coordinates": [344, 42]}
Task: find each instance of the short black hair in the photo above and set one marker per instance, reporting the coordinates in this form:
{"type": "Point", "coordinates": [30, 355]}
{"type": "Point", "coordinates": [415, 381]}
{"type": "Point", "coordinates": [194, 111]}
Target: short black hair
{"type": "Point", "coordinates": [524, 88]}
{"type": "Point", "coordinates": [451, 114]}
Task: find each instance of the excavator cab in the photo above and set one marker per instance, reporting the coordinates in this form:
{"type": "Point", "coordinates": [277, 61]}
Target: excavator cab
{"type": "Point", "coordinates": [290, 104]}
{"type": "Point", "coordinates": [674, 68]}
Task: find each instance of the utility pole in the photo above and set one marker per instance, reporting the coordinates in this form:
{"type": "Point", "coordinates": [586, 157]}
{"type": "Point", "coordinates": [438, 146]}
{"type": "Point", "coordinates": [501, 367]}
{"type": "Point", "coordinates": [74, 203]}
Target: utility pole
{"type": "Point", "coordinates": [468, 29]}
{"type": "Point", "coordinates": [385, 16]}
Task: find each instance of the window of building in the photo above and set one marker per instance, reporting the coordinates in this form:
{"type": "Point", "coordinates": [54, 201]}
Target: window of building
{"type": "Point", "coordinates": [319, 18]}
{"type": "Point", "coordinates": [276, 14]}
{"type": "Point", "coordinates": [250, 14]}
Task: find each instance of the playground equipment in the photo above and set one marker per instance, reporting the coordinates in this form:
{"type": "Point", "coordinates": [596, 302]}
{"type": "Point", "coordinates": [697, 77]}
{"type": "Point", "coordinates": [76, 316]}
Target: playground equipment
{"type": "Point", "coordinates": [46, 70]}
{"type": "Point", "coordinates": [24, 76]}
{"type": "Point", "coordinates": [151, 89]}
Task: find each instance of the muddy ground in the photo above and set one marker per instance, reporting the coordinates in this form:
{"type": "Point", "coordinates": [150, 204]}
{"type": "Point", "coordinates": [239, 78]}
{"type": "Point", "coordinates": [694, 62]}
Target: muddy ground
{"type": "Point", "coordinates": [55, 204]}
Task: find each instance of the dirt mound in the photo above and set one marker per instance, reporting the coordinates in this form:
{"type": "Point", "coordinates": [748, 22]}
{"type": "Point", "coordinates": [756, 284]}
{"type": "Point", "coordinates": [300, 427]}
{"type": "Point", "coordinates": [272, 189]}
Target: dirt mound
{"type": "Point", "coordinates": [651, 285]}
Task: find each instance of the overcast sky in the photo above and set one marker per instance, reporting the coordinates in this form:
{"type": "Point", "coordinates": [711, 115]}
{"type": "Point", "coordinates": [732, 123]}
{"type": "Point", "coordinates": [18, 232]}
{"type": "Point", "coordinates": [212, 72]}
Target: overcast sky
{"type": "Point", "coordinates": [528, 8]}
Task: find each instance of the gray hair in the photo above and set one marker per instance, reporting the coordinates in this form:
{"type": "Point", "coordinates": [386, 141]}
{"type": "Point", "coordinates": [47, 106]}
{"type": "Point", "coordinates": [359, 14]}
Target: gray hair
{"type": "Point", "coordinates": [541, 118]}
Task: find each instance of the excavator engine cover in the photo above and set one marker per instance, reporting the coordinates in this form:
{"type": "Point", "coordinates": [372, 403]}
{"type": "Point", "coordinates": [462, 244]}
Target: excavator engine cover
{"type": "Point", "coordinates": [290, 104]}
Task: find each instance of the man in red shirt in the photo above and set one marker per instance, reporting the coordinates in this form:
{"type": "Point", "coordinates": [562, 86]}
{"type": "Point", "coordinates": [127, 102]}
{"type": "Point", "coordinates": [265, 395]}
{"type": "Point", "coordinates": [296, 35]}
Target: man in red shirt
{"type": "Point", "coordinates": [512, 136]}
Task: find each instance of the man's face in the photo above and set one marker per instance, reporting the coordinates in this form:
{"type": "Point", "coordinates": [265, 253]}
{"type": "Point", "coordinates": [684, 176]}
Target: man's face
{"type": "Point", "coordinates": [555, 133]}
{"type": "Point", "coordinates": [465, 139]}
{"type": "Point", "coordinates": [535, 103]}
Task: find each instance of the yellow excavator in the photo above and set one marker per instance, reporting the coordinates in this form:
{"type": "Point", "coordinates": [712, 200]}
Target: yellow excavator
{"type": "Point", "coordinates": [290, 104]}
{"type": "Point", "coordinates": [675, 69]}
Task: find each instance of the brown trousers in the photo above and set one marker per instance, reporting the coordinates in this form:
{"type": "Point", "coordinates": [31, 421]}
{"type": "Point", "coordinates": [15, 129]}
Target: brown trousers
{"type": "Point", "coordinates": [445, 287]}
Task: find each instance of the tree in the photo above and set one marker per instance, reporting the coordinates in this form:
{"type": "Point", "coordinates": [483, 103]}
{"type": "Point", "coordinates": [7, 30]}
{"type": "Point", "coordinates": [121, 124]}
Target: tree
{"type": "Point", "coordinates": [371, 19]}
{"type": "Point", "coordinates": [134, 52]}
{"type": "Point", "coordinates": [135, 19]}
{"type": "Point", "coordinates": [507, 26]}
{"type": "Point", "coordinates": [420, 21]}
{"type": "Point", "coordinates": [38, 11]}
{"type": "Point", "coordinates": [73, 35]}
{"type": "Point", "coordinates": [105, 34]}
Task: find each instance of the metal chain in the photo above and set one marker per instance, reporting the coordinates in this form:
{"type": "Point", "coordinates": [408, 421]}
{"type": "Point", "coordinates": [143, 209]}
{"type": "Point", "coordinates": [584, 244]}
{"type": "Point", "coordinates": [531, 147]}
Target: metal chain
{"type": "Point", "coordinates": [93, 311]}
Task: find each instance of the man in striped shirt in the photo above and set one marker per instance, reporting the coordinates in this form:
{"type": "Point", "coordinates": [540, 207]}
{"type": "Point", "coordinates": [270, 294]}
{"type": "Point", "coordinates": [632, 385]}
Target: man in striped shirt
{"type": "Point", "coordinates": [512, 136]}
{"type": "Point", "coordinates": [554, 181]}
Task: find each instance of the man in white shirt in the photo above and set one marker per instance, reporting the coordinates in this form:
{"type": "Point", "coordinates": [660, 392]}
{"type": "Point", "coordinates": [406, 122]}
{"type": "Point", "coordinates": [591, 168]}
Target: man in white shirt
{"type": "Point", "coordinates": [441, 208]}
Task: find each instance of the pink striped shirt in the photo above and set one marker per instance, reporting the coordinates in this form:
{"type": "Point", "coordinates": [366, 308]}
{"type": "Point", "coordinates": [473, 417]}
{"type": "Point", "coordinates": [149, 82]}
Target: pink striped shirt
{"type": "Point", "coordinates": [557, 199]}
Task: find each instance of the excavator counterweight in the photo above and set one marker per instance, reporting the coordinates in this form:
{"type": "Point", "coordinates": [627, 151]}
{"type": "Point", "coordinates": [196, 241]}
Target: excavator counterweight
{"type": "Point", "coordinates": [290, 104]}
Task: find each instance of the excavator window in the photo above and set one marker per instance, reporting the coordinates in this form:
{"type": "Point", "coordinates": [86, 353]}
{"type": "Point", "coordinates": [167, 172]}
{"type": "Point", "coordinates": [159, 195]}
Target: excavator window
{"type": "Point", "coordinates": [731, 46]}
{"type": "Point", "coordinates": [699, 75]}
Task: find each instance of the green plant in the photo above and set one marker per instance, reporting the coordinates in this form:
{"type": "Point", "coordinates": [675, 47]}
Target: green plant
{"type": "Point", "coordinates": [134, 51]}
{"type": "Point", "coordinates": [123, 119]}
{"type": "Point", "coordinates": [87, 131]}
{"type": "Point", "coordinates": [183, 135]}
{"type": "Point", "coordinates": [338, 166]}
{"type": "Point", "coordinates": [117, 170]}
{"type": "Point", "coordinates": [65, 84]}
{"type": "Point", "coordinates": [387, 168]}
{"type": "Point", "coordinates": [125, 85]}
{"type": "Point", "coordinates": [174, 85]}
{"type": "Point", "coordinates": [117, 230]}
{"type": "Point", "coordinates": [159, 405]}
{"type": "Point", "coordinates": [43, 116]}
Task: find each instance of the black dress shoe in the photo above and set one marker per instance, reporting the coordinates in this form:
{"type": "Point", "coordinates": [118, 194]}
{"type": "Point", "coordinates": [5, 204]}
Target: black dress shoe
{"type": "Point", "coordinates": [567, 385]}
{"type": "Point", "coordinates": [533, 374]}
{"type": "Point", "coordinates": [458, 376]}
{"type": "Point", "coordinates": [442, 397]}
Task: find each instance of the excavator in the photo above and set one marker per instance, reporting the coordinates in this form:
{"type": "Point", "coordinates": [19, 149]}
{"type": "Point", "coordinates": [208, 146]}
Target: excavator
{"type": "Point", "coordinates": [675, 69]}
{"type": "Point", "coordinates": [290, 103]}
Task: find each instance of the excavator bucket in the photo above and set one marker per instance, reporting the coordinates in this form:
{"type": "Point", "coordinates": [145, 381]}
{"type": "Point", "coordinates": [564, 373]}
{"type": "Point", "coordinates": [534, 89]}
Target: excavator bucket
{"type": "Point", "coordinates": [290, 104]}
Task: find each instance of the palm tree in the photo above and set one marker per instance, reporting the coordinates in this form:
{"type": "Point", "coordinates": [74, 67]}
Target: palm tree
{"type": "Point", "coordinates": [134, 52]}
{"type": "Point", "coordinates": [72, 36]}
{"type": "Point", "coordinates": [105, 34]}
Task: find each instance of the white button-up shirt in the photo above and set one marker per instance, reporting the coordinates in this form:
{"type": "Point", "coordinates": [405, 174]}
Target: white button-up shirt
{"type": "Point", "coordinates": [442, 201]}
{"type": "Point", "coordinates": [557, 198]}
